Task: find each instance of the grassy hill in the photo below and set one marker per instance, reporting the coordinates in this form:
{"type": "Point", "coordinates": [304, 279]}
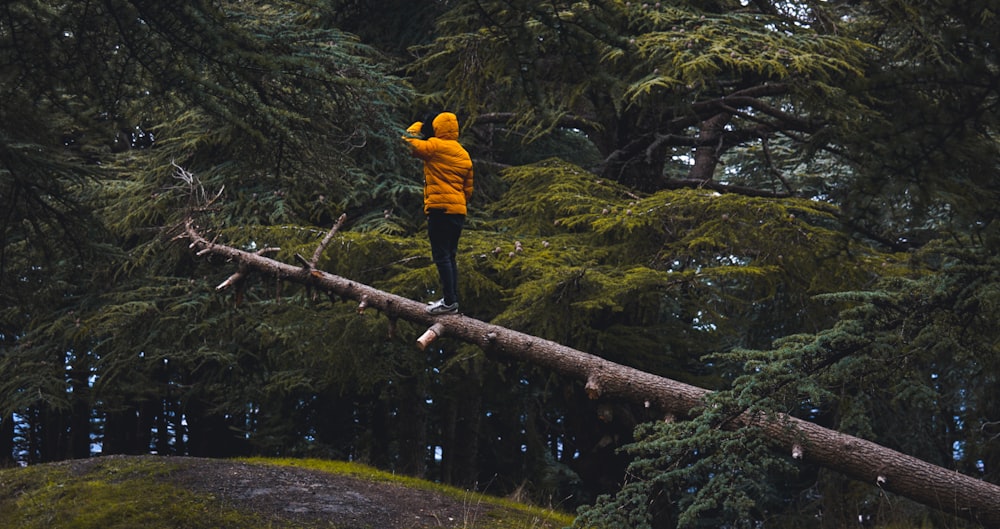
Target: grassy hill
{"type": "Point", "coordinates": [151, 492]}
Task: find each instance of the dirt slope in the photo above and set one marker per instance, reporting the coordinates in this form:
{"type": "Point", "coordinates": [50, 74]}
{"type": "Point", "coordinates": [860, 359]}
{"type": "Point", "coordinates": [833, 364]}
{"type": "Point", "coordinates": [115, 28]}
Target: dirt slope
{"type": "Point", "coordinates": [314, 498]}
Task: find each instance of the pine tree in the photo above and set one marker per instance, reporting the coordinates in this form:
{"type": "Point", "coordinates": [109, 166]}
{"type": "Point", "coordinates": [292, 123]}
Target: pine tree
{"type": "Point", "coordinates": [293, 121]}
{"type": "Point", "coordinates": [734, 189]}
{"type": "Point", "coordinates": [663, 90]}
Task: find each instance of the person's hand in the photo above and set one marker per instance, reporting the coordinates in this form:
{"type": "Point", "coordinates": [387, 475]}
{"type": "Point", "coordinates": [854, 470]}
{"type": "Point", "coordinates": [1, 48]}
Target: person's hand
{"type": "Point", "coordinates": [414, 130]}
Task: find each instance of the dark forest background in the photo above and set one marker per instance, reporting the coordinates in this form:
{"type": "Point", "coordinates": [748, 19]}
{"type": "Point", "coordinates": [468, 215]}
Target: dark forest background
{"type": "Point", "coordinates": [793, 203]}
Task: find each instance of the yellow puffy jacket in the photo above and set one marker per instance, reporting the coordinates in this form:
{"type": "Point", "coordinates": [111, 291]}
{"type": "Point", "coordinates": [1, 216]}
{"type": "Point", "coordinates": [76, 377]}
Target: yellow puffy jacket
{"type": "Point", "coordinates": [447, 165]}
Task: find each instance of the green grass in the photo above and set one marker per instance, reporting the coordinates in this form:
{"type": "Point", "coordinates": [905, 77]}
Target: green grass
{"type": "Point", "coordinates": [138, 492]}
{"type": "Point", "coordinates": [113, 494]}
{"type": "Point", "coordinates": [500, 514]}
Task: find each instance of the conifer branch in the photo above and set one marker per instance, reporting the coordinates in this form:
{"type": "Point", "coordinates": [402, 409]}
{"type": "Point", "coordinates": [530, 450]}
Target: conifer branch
{"type": "Point", "coordinates": [766, 145]}
{"type": "Point", "coordinates": [565, 120]}
{"type": "Point", "coordinates": [697, 183]}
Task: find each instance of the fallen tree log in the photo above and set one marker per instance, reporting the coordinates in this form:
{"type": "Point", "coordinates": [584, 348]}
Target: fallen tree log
{"type": "Point", "coordinates": [892, 471]}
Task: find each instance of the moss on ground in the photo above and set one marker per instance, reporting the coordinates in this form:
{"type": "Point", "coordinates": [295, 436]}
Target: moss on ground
{"type": "Point", "coordinates": [119, 493]}
{"type": "Point", "coordinates": [500, 514]}
{"type": "Point", "coordinates": [148, 493]}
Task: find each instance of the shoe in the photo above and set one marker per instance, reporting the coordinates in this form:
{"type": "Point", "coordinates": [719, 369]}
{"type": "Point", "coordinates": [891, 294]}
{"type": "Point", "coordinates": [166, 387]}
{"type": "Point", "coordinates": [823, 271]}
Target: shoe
{"type": "Point", "coordinates": [440, 307]}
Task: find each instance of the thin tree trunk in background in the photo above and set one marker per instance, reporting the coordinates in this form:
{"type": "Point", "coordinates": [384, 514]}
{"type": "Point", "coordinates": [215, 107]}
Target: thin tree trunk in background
{"type": "Point", "coordinates": [121, 432]}
{"type": "Point", "coordinates": [372, 447]}
{"type": "Point", "coordinates": [56, 434]}
{"type": "Point", "coordinates": [863, 460]}
{"type": "Point", "coordinates": [80, 416]}
{"type": "Point", "coordinates": [80, 427]}
{"type": "Point", "coordinates": [411, 426]}
{"type": "Point", "coordinates": [6, 441]}
{"type": "Point", "coordinates": [462, 429]}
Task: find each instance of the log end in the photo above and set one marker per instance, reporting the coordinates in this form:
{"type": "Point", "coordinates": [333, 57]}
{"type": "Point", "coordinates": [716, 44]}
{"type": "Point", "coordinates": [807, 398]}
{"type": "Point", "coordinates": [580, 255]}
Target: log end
{"type": "Point", "coordinates": [430, 335]}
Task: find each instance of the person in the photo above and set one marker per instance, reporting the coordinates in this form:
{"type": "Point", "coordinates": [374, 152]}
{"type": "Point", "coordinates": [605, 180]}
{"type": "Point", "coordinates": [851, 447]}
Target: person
{"type": "Point", "coordinates": [448, 178]}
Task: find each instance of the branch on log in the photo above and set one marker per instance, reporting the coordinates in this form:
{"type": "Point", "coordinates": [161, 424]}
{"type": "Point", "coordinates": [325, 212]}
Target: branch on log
{"type": "Point", "coordinates": [392, 328]}
{"type": "Point", "coordinates": [326, 240]}
{"type": "Point", "coordinates": [592, 387]}
{"type": "Point", "coordinates": [309, 264]}
{"type": "Point", "coordinates": [895, 472]}
{"type": "Point", "coordinates": [241, 272]}
{"type": "Point", "coordinates": [233, 279]}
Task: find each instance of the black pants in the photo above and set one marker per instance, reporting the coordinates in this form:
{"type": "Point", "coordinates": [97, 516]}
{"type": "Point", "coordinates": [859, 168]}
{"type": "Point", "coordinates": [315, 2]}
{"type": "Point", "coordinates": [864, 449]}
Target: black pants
{"type": "Point", "coordinates": [443, 230]}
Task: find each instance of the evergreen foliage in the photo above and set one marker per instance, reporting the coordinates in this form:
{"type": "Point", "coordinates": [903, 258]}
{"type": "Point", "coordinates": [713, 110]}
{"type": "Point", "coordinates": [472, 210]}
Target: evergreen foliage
{"type": "Point", "coordinates": [790, 204]}
{"type": "Point", "coordinates": [698, 263]}
{"type": "Point", "coordinates": [270, 88]}
{"type": "Point", "coordinates": [928, 153]}
{"type": "Point", "coordinates": [653, 85]}
{"type": "Point", "coordinates": [904, 349]}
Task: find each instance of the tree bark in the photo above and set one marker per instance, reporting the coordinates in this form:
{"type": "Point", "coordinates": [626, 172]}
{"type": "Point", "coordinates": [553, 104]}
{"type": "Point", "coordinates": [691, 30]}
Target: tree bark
{"type": "Point", "coordinates": [7, 441]}
{"type": "Point", "coordinates": [863, 460]}
{"type": "Point", "coordinates": [710, 147]}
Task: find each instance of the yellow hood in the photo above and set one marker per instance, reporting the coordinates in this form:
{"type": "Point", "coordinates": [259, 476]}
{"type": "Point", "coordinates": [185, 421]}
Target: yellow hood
{"type": "Point", "coordinates": [446, 126]}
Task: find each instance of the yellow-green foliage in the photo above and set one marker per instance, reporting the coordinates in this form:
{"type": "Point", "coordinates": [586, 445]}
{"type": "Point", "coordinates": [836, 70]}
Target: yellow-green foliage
{"type": "Point", "coordinates": [682, 48]}
{"type": "Point", "coordinates": [682, 229]}
{"type": "Point", "coordinates": [568, 243]}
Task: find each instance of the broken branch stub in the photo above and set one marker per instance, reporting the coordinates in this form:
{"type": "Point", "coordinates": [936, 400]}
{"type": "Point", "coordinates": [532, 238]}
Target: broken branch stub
{"type": "Point", "coordinates": [430, 335]}
{"type": "Point", "coordinates": [230, 281]}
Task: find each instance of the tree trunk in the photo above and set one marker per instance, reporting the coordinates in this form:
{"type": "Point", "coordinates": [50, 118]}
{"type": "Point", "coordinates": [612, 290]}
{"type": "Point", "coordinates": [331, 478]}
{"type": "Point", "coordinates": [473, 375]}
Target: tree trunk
{"type": "Point", "coordinates": [411, 428]}
{"type": "Point", "coordinates": [120, 432]}
{"type": "Point", "coordinates": [857, 458]}
{"type": "Point", "coordinates": [710, 147]}
{"type": "Point", "coordinates": [7, 441]}
{"type": "Point", "coordinates": [462, 428]}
